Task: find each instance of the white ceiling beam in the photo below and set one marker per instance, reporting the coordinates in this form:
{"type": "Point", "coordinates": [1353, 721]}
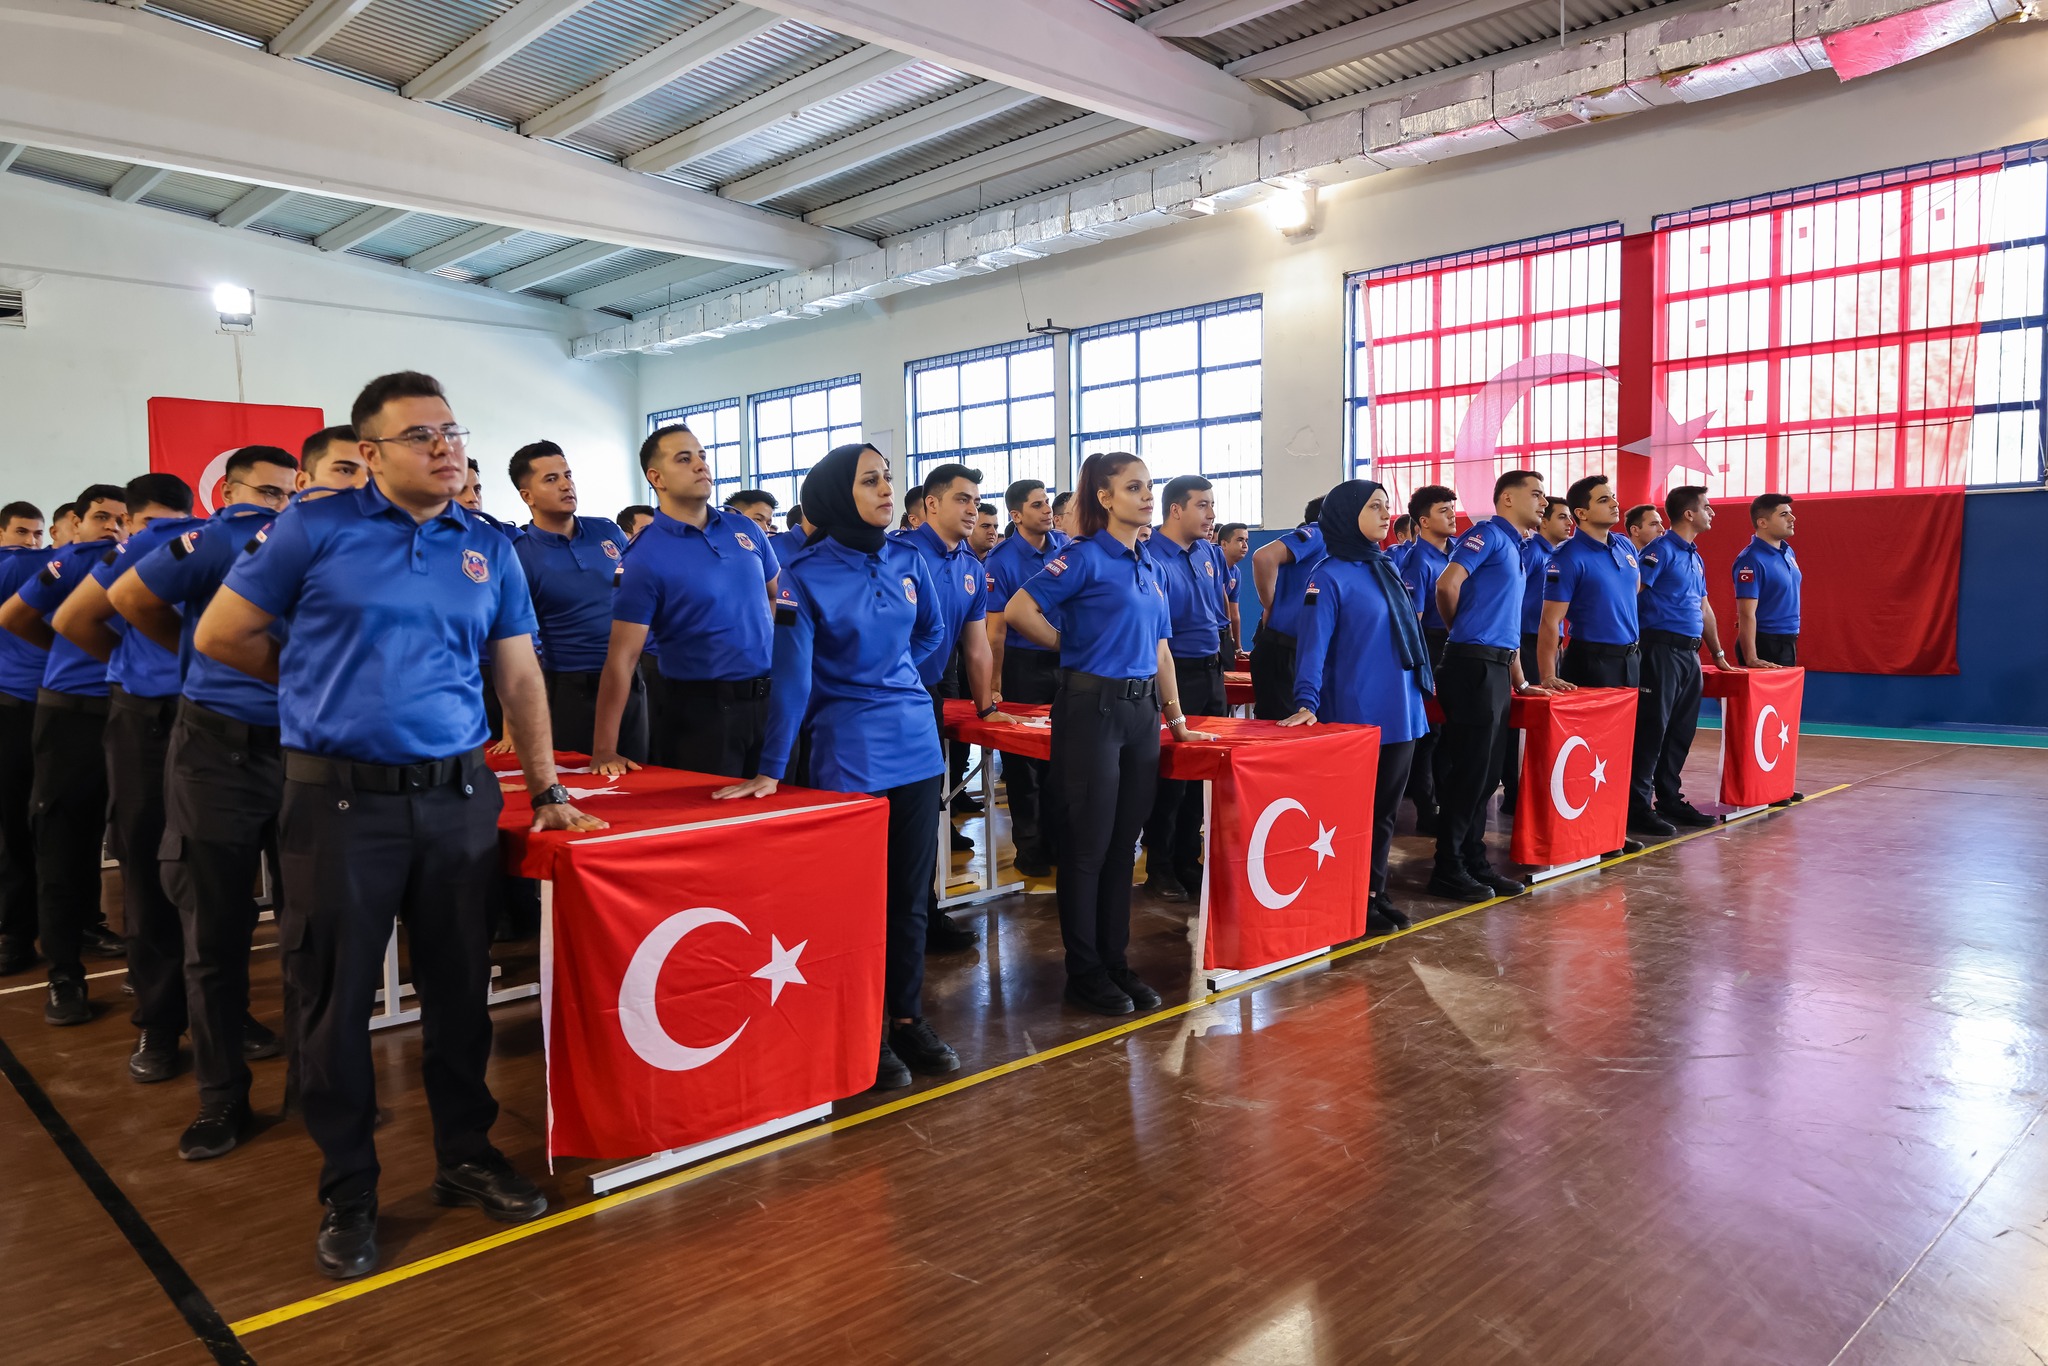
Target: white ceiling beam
{"type": "Point", "coordinates": [10, 152]}
{"type": "Point", "coordinates": [1074, 51]}
{"type": "Point", "coordinates": [674, 59]}
{"type": "Point", "coordinates": [314, 26]}
{"type": "Point", "coordinates": [463, 244]}
{"type": "Point", "coordinates": [1367, 37]}
{"type": "Point", "coordinates": [554, 265]}
{"type": "Point", "coordinates": [256, 201]}
{"type": "Point", "coordinates": [498, 40]}
{"type": "Point", "coordinates": [1200, 18]}
{"type": "Point", "coordinates": [642, 282]}
{"type": "Point", "coordinates": [956, 111]}
{"type": "Point", "coordinates": [785, 101]}
{"type": "Point", "coordinates": [136, 182]}
{"type": "Point", "coordinates": [359, 229]}
{"type": "Point", "coordinates": [1076, 136]}
{"type": "Point", "coordinates": [135, 87]}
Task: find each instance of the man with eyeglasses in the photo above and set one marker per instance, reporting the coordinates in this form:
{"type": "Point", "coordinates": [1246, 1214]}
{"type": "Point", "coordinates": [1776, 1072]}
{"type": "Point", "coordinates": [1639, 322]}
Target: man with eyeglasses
{"type": "Point", "coordinates": [391, 593]}
{"type": "Point", "coordinates": [221, 791]}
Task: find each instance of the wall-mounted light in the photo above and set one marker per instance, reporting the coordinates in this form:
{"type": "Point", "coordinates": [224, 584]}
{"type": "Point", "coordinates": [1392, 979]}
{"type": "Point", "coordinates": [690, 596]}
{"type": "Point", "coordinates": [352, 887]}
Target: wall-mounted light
{"type": "Point", "coordinates": [1291, 208]}
{"type": "Point", "coordinates": [236, 307]}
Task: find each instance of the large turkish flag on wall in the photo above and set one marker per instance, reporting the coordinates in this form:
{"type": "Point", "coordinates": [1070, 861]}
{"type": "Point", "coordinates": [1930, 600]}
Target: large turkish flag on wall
{"type": "Point", "coordinates": [1575, 766]}
{"type": "Point", "coordinates": [1759, 733]}
{"type": "Point", "coordinates": [193, 438]}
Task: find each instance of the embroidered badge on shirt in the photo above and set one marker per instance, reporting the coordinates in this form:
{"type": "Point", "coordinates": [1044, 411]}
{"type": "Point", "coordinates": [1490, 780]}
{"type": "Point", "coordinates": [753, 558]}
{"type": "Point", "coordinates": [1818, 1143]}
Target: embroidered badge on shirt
{"type": "Point", "coordinates": [476, 566]}
{"type": "Point", "coordinates": [1475, 543]}
{"type": "Point", "coordinates": [967, 581]}
{"type": "Point", "coordinates": [1746, 576]}
{"type": "Point", "coordinates": [609, 548]}
{"type": "Point", "coordinates": [909, 589]}
{"type": "Point", "coordinates": [1210, 565]}
{"type": "Point", "coordinates": [1057, 567]}
{"type": "Point", "coordinates": [184, 545]}
{"type": "Point", "coordinates": [742, 538]}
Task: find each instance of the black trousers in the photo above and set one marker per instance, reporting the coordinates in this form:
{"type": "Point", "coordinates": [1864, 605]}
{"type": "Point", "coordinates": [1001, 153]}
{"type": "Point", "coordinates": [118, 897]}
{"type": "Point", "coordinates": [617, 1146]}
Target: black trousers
{"type": "Point", "coordinates": [1586, 669]}
{"type": "Point", "coordinates": [138, 732]}
{"type": "Point", "coordinates": [1511, 741]}
{"type": "Point", "coordinates": [1667, 715]}
{"type": "Point", "coordinates": [1105, 770]}
{"type": "Point", "coordinates": [68, 813]}
{"type": "Point", "coordinates": [1273, 655]}
{"type": "Point", "coordinates": [953, 683]}
{"type": "Point", "coordinates": [353, 860]}
{"type": "Point", "coordinates": [913, 854]}
{"type": "Point", "coordinates": [1426, 773]}
{"type": "Point", "coordinates": [17, 838]}
{"type": "Point", "coordinates": [708, 727]}
{"type": "Point", "coordinates": [1777, 649]}
{"type": "Point", "coordinates": [1474, 693]}
{"type": "Point", "coordinates": [1173, 833]}
{"type": "Point", "coordinates": [1391, 782]}
{"type": "Point", "coordinates": [572, 713]}
{"type": "Point", "coordinates": [223, 786]}
{"type": "Point", "coordinates": [648, 670]}
{"type": "Point", "coordinates": [1031, 676]}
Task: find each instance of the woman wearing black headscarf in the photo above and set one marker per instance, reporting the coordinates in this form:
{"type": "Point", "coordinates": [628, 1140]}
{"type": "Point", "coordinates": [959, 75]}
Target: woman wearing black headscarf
{"type": "Point", "coordinates": [1361, 660]}
{"type": "Point", "coordinates": [854, 611]}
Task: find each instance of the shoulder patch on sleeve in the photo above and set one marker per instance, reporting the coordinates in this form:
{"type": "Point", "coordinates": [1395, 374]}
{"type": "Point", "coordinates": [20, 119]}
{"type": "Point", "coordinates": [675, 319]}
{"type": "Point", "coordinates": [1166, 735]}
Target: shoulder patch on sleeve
{"type": "Point", "coordinates": [184, 545]}
{"type": "Point", "coordinates": [1301, 534]}
{"type": "Point", "coordinates": [1746, 576]}
{"type": "Point", "coordinates": [113, 555]}
{"type": "Point", "coordinates": [1649, 557]}
{"type": "Point", "coordinates": [785, 606]}
{"type": "Point", "coordinates": [1056, 567]}
{"type": "Point", "coordinates": [1476, 541]}
{"type": "Point", "coordinates": [256, 542]}
{"type": "Point", "coordinates": [1554, 570]}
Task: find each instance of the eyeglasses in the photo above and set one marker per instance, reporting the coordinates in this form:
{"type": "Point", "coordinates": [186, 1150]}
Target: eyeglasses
{"type": "Point", "coordinates": [269, 493]}
{"type": "Point", "coordinates": [422, 439]}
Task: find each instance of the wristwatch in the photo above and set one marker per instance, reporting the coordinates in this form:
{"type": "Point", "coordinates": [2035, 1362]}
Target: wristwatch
{"type": "Point", "coordinates": [553, 795]}
{"type": "Point", "coordinates": [983, 713]}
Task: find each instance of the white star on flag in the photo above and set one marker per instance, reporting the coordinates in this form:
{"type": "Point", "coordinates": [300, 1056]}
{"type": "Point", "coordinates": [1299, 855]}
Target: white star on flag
{"type": "Point", "coordinates": [781, 970]}
{"type": "Point", "coordinates": [1784, 734]}
{"type": "Point", "coordinates": [1322, 845]}
{"type": "Point", "coordinates": [1599, 772]}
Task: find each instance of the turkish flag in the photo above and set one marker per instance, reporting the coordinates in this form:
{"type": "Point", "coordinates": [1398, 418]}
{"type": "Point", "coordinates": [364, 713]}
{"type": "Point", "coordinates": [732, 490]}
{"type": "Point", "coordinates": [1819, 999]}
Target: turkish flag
{"type": "Point", "coordinates": [1575, 768]}
{"type": "Point", "coordinates": [193, 438]}
{"type": "Point", "coordinates": [1759, 733]}
{"type": "Point", "coordinates": [1289, 868]}
{"type": "Point", "coordinates": [693, 993]}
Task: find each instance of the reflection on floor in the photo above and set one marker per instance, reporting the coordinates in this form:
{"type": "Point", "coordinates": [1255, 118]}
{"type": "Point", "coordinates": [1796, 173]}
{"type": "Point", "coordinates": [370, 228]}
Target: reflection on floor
{"type": "Point", "coordinates": [1774, 1094]}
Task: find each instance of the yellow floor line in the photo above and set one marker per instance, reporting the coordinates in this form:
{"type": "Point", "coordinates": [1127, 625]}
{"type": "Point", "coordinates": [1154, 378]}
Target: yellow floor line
{"type": "Point", "coordinates": [726, 1161]}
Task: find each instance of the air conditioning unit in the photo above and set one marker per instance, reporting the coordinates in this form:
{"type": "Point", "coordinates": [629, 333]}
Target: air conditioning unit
{"type": "Point", "coordinates": [13, 309]}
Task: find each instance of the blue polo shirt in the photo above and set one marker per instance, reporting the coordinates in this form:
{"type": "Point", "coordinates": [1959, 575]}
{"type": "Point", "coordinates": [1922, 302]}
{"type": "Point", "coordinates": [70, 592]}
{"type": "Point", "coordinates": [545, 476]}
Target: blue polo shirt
{"type": "Point", "coordinates": [849, 629]}
{"type": "Point", "coordinates": [1599, 582]}
{"type": "Point", "coordinates": [1347, 665]}
{"type": "Point", "coordinates": [67, 668]}
{"type": "Point", "coordinates": [21, 664]}
{"type": "Point", "coordinates": [139, 665]}
{"type": "Point", "coordinates": [703, 595]}
{"type": "Point", "coordinates": [1194, 581]}
{"type": "Point", "coordinates": [1421, 565]}
{"type": "Point", "coordinates": [1290, 585]}
{"type": "Point", "coordinates": [785, 544]}
{"type": "Point", "coordinates": [1537, 552]}
{"type": "Point", "coordinates": [959, 589]}
{"type": "Point", "coordinates": [388, 619]}
{"type": "Point", "coordinates": [186, 572]}
{"type": "Point", "coordinates": [1490, 598]}
{"type": "Point", "coordinates": [1770, 574]}
{"type": "Point", "coordinates": [1011, 565]}
{"type": "Point", "coordinates": [1674, 586]}
{"type": "Point", "coordinates": [572, 578]}
{"type": "Point", "coordinates": [1113, 602]}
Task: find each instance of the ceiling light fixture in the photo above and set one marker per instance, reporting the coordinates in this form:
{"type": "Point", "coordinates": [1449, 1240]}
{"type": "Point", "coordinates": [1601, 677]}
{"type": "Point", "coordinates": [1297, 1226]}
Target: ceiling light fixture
{"type": "Point", "coordinates": [236, 306]}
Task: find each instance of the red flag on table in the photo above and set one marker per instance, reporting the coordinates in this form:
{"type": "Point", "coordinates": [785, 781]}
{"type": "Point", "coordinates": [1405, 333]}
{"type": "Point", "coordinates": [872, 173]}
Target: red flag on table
{"type": "Point", "coordinates": [1290, 847]}
{"type": "Point", "coordinates": [193, 438]}
{"type": "Point", "coordinates": [1575, 767]}
{"type": "Point", "coordinates": [712, 993]}
{"type": "Point", "coordinates": [1759, 734]}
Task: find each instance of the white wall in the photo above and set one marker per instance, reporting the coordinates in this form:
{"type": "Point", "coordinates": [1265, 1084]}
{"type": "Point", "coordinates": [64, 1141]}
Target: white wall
{"type": "Point", "coordinates": [122, 313]}
{"type": "Point", "coordinates": [1985, 93]}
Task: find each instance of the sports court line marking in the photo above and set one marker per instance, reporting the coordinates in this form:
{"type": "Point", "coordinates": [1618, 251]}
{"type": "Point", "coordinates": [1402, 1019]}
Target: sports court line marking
{"type": "Point", "coordinates": [95, 976]}
{"type": "Point", "coordinates": [796, 1138]}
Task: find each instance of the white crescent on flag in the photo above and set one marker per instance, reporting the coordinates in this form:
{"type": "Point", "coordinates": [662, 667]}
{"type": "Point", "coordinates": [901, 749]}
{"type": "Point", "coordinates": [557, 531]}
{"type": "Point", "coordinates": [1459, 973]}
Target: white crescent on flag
{"type": "Point", "coordinates": [1255, 857]}
{"type": "Point", "coordinates": [639, 1021]}
{"type": "Point", "coordinates": [1557, 797]}
{"type": "Point", "coordinates": [1766, 714]}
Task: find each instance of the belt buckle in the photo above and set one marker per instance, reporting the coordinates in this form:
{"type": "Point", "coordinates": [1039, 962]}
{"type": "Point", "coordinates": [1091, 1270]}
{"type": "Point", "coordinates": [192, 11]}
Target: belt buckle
{"type": "Point", "coordinates": [413, 777]}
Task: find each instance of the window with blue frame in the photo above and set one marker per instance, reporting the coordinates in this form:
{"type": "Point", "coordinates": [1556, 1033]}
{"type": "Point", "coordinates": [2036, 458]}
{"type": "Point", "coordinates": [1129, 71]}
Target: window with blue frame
{"type": "Point", "coordinates": [1183, 391]}
{"type": "Point", "coordinates": [990, 408]}
{"type": "Point", "coordinates": [717, 427]}
{"type": "Point", "coordinates": [793, 428]}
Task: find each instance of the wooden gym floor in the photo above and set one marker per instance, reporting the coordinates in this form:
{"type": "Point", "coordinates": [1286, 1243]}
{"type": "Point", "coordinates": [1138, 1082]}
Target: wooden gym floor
{"type": "Point", "coordinates": [1771, 1093]}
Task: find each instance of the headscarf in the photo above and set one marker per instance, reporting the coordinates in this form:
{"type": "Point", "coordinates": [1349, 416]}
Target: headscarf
{"type": "Point", "coordinates": [827, 500]}
{"type": "Point", "coordinates": [1342, 538]}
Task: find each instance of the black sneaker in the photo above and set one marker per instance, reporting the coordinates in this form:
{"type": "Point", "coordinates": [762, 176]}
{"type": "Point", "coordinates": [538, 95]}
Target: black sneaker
{"type": "Point", "coordinates": [1391, 913]}
{"type": "Point", "coordinates": [1644, 821]}
{"type": "Point", "coordinates": [890, 1073]}
{"type": "Point", "coordinates": [944, 934]}
{"type": "Point", "coordinates": [1133, 986]}
{"type": "Point", "coordinates": [966, 805]}
{"type": "Point", "coordinates": [1501, 883]}
{"type": "Point", "coordinates": [1455, 884]}
{"type": "Point", "coordinates": [17, 954]}
{"type": "Point", "coordinates": [490, 1183]}
{"type": "Point", "coordinates": [155, 1057]}
{"type": "Point", "coordinates": [220, 1126]}
{"type": "Point", "coordinates": [1377, 926]}
{"type": "Point", "coordinates": [1165, 886]}
{"type": "Point", "coordinates": [101, 942]}
{"type": "Point", "coordinates": [347, 1245]}
{"type": "Point", "coordinates": [1031, 865]}
{"type": "Point", "coordinates": [66, 1003]}
{"type": "Point", "coordinates": [1425, 819]}
{"type": "Point", "coordinates": [1684, 813]}
{"type": "Point", "coordinates": [961, 843]}
{"type": "Point", "coordinates": [1628, 846]}
{"type": "Point", "coordinates": [1098, 996]}
{"type": "Point", "coordinates": [921, 1050]}
{"type": "Point", "coordinates": [259, 1040]}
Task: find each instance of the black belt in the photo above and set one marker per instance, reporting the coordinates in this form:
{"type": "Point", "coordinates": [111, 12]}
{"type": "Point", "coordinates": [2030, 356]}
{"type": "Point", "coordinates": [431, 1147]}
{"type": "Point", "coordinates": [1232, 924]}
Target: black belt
{"type": "Point", "coordinates": [1277, 637]}
{"type": "Point", "coordinates": [1777, 635]}
{"type": "Point", "coordinates": [227, 727]}
{"type": "Point", "coordinates": [1671, 638]}
{"type": "Point", "coordinates": [8, 699]}
{"type": "Point", "coordinates": [1131, 689]}
{"type": "Point", "coordinates": [1594, 649]}
{"type": "Point", "coordinates": [575, 675]}
{"type": "Point", "coordinates": [1213, 663]}
{"type": "Point", "coordinates": [71, 701]}
{"type": "Point", "coordinates": [1492, 654]}
{"type": "Point", "coordinates": [301, 767]}
{"type": "Point", "coordinates": [155, 708]}
{"type": "Point", "coordinates": [720, 689]}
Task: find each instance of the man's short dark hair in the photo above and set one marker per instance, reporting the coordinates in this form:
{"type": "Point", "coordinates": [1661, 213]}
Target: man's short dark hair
{"type": "Point", "coordinates": [1312, 511]}
{"type": "Point", "coordinates": [794, 518]}
{"type": "Point", "coordinates": [650, 449]}
{"type": "Point", "coordinates": [746, 498]}
{"type": "Point", "coordinates": [1229, 529]}
{"type": "Point", "coordinates": [632, 510]}
{"type": "Point", "coordinates": [249, 457]}
{"type": "Point", "coordinates": [1579, 496]}
{"type": "Point", "coordinates": [1682, 500]}
{"type": "Point", "coordinates": [314, 448]}
{"type": "Point", "coordinates": [1553, 503]}
{"type": "Point", "coordinates": [987, 509]}
{"type": "Point", "coordinates": [1403, 524]}
{"type": "Point", "coordinates": [18, 509]}
{"type": "Point", "coordinates": [1760, 507]}
{"type": "Point", "coordinates": [522, 460]}
{"type": "Point", "coordinates": [165, 490]}
{"type": "Point", "coordinates": [1060, 501]}
{"type": "Point", "coordinates": [1182, 487]}
{"type": "Point", "coordinates": [1019, 493]}
{"type": "Point", "coordinates": [1638, 514]}
{"type": "Point", "coordinates": [1428, 497]}
{"type": "Point", "coordinates": [474, 468]}
{"type": "Point", "coordinates": [942, 476]}
{"type": "Point", "coordinates": [99, 493]}
{"type": "Point", "coordinates": [384, 388]}
{"type": "Point", "coordinates": [1514, 479]}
